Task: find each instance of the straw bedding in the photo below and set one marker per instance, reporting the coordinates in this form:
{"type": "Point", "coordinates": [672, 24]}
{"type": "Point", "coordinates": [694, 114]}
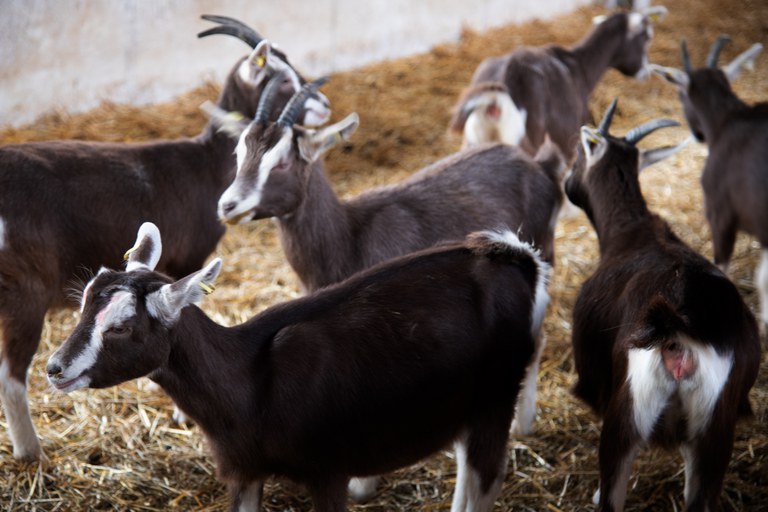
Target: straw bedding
{"type": "Point", "coordinates": [119, 449]}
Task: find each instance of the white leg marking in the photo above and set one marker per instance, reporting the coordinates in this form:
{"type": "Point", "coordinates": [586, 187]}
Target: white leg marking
{"type": "Point", "coordinates": [459, 503]}
{"type": "Point", "coordinates": [3, 240]}
{"type": "Point", "coordinates": [250, 498]}
{"type": "Point", "coordinates": [14, 397]}
{"type": "Point", "coordinates": [525, 412]}
{"type": "Point", "coordinates": [691, 477]}
{"type": "Point", "coordinates": [762, 286]}
{"type": "Point", "coordinates": [619, 492]}
{"type": "Point", "coordinates": [468, 495]}
{"type": "Point", "coordinates": [362, 489]}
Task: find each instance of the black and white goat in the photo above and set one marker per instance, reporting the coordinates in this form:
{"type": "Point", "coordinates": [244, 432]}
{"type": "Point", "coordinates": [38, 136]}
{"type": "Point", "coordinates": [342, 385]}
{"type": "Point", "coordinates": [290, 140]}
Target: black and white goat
{"type": "Point", "coordinates": [735, 176]}
{"type": "Point", "coordinates": [359, 378]}
{"type": "Point", "coordinates": [522, 97]}
{"type": "Point", "coordinates": [67, 207]}
{"type": "Point", "coordinates": [665, 348]}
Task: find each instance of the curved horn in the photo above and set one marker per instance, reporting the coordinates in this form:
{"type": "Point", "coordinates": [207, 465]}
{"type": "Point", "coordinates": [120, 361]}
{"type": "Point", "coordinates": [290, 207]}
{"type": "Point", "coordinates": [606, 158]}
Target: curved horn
{"type": "Point", "coordinates": [268, 97]}
{"type": "Point", "coordinates": [605, 123]}
{"type": "Point", "coordinates": [686, 58]}
{"type": "Point", "coordinates": [714, 52]}
{"type": "Point", "coordinates": [296, 103]}
{"type": "Point", "coordinates": [231, 27]}
{"type": "Point", "coordinates": [639, 132]}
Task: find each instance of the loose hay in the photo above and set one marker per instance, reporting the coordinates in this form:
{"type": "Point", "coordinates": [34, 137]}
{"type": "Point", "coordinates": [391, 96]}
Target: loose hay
{"type": "Point", "coordinates": [119, 449]}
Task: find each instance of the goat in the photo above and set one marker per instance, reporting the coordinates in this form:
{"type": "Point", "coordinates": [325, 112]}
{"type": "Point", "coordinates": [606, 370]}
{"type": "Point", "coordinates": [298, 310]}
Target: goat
{"type": "Point", "coordinates": [362, 377]}
{"type": "Point", "coordinates": [665, 348]}
{"type": "Point", "coordinates": [66, 207]}
{"type": "Point", "coordinates": [521, 97]}
{"type": "Point", "coordinates": [733, 180]}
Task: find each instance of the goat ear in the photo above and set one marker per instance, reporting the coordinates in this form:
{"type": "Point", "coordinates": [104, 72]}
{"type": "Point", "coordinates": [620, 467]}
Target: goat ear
{"type": "Point", "coordinates": [146, 252]}
{"type": "Point", "coordinates": [672, 75]}
{"type": "Point", "coordinates": [594, 144]}
{"type": "Point", "coordinates": [649, 157]}
{"type": "Point", "coordinates": [745, 60]}
{"type": "Point", "coordinates": [313, 143]}
{"type": "Point", "coordinates": [231, 123]}
{"type": "Point", "coordinates": [166, 303]}
{"type": "Point", "coordinates": [254, 68]}
{"type": "Point", "coordinates": [655, 13]}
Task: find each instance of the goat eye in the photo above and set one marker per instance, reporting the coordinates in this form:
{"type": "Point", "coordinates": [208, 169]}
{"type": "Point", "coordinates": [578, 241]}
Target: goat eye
{"type": "Point", "coordinates": [119, 330]}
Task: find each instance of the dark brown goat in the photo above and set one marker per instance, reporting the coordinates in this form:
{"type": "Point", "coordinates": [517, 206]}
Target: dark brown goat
{"type": "Point", "coordinates": [67, 207]}
{"type": "Point", "coordinates": [735, 176]}
{"type": "Point", "coordinates": [281, 175]}
{"type": "Point", "coordinates": [546, 90]}
{"type": "Point", "coordinates": [359, 378]}
{"type": "Point", "coordinates": [665, 348]}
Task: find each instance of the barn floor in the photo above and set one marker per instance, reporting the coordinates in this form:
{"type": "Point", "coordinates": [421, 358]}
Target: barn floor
{"type": "Point", "coordinates": [119, 449]}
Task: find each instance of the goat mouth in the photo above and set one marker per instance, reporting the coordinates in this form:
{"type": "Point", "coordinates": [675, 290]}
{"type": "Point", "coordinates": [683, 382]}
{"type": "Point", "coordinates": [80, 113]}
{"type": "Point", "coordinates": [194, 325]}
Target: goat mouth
{"type": "Point", "coordinates": [66, 386]}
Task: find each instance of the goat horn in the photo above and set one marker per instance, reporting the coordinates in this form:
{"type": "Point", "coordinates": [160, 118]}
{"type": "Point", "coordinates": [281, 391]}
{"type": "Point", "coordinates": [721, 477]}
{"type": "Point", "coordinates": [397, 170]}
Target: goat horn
{"type": "Point", "coordinates": [296, 103]}
{"type": "Point", "coordinates": [231, 27]}
{"type": "Point", "coordinates": [639, 132]}
{"type": "Point", "coordinates": [686, 58]}
{"type": "Point", "coordinates": [714, 52]}
{"type": "Point", "coordinates": [605, 123]}
{"type": "Point", "coordinates": [268, 97]}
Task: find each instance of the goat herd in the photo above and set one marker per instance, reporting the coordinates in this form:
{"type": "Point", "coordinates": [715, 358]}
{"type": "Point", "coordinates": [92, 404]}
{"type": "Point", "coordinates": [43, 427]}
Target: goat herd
{"type": "Point", "coordinates": [421, 323]}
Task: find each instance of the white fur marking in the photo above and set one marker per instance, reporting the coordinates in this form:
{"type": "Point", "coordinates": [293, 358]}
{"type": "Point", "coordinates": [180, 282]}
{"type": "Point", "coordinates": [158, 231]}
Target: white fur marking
{"type": "Point", "coordinates": [21, 429]}
{"type": "Point", "coordinates": [121, 307]}
{"type": "Point", "coordinates": [651, 386]}
{"type": "Point", "coordinates": [362, 489]}
{"type": "Point", "coordinates": [102, 270]}
{"type": "Point", "coordinates": [459, 503]}
{"type": "Point", "coordinates": [525, 411]}
{"type": "Point", "coordinates": [241, 149]}
{"type": "Point", "coordinates": [3, 241]}
{"type": "Point", "coordinates": [250, 498]}
{"type": "Point", "coordinates": [762, 285]}
{"type": "Point", "coordinates": [508, 128]}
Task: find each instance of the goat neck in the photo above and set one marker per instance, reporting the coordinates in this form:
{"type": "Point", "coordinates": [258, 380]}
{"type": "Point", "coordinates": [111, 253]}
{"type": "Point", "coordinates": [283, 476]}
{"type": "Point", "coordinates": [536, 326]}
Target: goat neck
{"type": "Point", "coordinates": [597, 51]}
{"type": "Point", "coordinates": [713, 101]}
{"type": "Point", "coordinates": [611, 195]}
{"type": "Point", "coordinates": [323, 225]}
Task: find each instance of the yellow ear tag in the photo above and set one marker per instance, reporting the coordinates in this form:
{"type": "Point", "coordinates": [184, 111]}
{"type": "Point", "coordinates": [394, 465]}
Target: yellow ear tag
{"type": "Point", "coordinates": [593, 139]}
{"type": "Point", "coordinates": [207, 288]}
{"type": "Point", "coordinates": [128, 252]}
{"type": "Point", "coordinates": [260, 61]}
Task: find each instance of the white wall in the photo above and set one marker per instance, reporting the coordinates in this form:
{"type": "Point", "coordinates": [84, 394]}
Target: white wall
{"type": "Point", "coordinates": [73, 54]}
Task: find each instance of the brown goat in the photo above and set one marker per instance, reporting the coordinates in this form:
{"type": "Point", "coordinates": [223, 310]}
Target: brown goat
{"type": "Point", "coordinates": [547, 89]}
{"type": "Point", "coordinates": [359, 378]}
{"type": "Point", "coordinates": [665, 349]}
{"type": "Point", "coordinates": [68, 207]}
{"type": "Point", "coordinates": [735, 176]}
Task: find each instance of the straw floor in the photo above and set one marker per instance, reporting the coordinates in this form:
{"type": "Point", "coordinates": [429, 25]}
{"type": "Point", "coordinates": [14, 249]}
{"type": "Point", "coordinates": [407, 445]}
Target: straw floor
{"type": "Point", "coordinates": [119, 449]}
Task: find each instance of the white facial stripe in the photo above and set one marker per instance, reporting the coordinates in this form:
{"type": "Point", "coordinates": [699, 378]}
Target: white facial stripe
{"type": "Point", "coordinates": [317, 111]}
{"type": "Point", "coordinates": [635, 22]}
{"type": "Point", "coordinates": [121, 307]}
{"type": "Point", "coordinates": [102, 270]}
{"type": "Point", "coordinates": [651, 386]}
{"type": "Point", "coordinates": [241, 149]}
{"type": "Point", "coordinates": [248, 199]}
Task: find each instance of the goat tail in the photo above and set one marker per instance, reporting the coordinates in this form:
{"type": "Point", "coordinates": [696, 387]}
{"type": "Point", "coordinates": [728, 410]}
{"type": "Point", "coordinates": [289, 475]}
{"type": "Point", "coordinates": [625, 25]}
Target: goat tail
{"type": "Point", "coordinates": [551, 158]}
{"type": "Point", "coordinates": [660, 322]}
{"type": "Point", "coordinates": [474, 96]}
{"type": "Point", "coordinates": [506, 244]}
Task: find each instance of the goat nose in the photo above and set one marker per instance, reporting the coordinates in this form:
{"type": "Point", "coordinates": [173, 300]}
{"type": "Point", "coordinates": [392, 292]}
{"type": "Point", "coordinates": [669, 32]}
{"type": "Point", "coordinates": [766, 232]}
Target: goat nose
{"type": "Point", "coordinates": [228, 207]}
{"type": "Point", "coordinates": [53, 369]}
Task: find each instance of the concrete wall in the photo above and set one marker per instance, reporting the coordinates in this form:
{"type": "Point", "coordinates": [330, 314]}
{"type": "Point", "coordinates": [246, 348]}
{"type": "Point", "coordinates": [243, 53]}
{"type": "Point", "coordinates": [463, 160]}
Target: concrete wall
{"type": "Point", "coordinates": [73, 54]}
